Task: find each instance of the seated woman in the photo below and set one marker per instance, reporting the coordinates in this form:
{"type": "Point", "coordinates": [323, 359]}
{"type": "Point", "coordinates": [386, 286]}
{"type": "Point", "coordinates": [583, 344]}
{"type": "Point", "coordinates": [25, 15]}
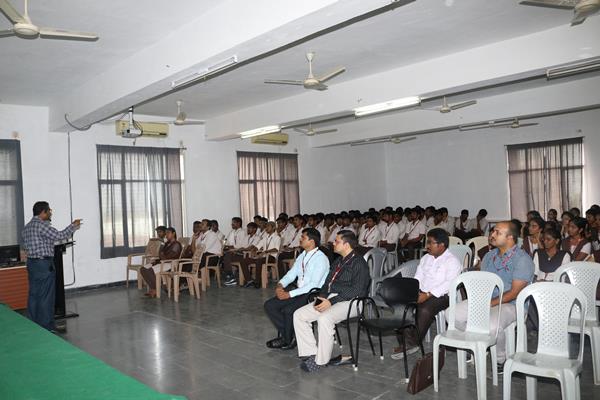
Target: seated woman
{"type": "Point", "coordinates": [576, 243]}
{"type": "Point", "coordinates": [565, 218]}
{"type": "Point", "coordinates": [533, 239]}
{"type": "Point", "coordinates": [171, 250]}
{"type": "Point", "coordinates": [550, 257]}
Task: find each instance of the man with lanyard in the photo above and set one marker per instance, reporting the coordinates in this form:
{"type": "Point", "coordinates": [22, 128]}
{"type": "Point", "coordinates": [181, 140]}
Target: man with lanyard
{"type": "Point", "coordinates": [310, 270]}
{"type": "Point", "coordinates": [348, 278]}
{"type": "Point", "coordinates": [38, 238]}
{"type": "Point", "coordinates": [515, 267]}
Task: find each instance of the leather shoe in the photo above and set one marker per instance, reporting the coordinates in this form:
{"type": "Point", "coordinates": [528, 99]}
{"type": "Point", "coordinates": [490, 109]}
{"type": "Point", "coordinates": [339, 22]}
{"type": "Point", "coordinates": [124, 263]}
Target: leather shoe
{"type": "Point", "coordinates": [289, 346]}
{"type": "Point", "coordinates": [340, 360]}
{"type": "Point", "coordinates": [276, 343]}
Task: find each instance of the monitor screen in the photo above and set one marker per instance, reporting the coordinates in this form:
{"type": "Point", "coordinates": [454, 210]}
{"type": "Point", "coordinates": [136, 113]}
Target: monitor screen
{"type": "Point", "coordinates": [10, 255]}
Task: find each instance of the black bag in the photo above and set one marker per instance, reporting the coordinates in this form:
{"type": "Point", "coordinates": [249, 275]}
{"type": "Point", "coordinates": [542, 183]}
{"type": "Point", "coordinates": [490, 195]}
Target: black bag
{"type": "Point", "coordinates": [421, 376]}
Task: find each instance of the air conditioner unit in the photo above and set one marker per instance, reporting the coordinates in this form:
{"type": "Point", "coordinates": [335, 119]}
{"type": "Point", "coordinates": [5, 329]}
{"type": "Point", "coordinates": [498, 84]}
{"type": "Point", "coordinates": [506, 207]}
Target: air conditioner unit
{"type": "Point", "coordinates": [149, 129]}
{"type": "Point", "coordinates": [279, 139]}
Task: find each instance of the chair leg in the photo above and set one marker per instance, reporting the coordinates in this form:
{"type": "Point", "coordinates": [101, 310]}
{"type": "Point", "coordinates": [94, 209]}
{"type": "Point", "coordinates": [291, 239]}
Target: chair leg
{"type": "Point", "coordinates": [506, 380]}
{"type": "Point", "coordinates": [436, 363]}
{"type": "Point", "coordinates": [531, 385]}
{"type": "Point", "coordinates": [158, 285]}
{"type": "Point", "coordinates": [218, 276]}
{"type": "Point", "coordinates": [405, 356]}
{"type": "Point", "coordinates": [494, 357]}
{"type": "Point", "coordinates": [337, 335]}
{"type": "Point", "coordinates": [140, 280]}
{"type": "Point", "coordinates": [595, 345]}
{"type": "Point", "coordinates": [197, 287]}
{"type": "Point", "coordinates": [176, 288]}
{"type": "Point", "coordinates": [357, 346]}
{"type": "Point", "coordinates": [480, 375]}
{"type": "Point", "coordinates": [127, 277]}
{"type": "Point", "coordinates": [204, 277]}
{"type": "Point", "coordinates": [380, 346]}
{"type": "Point", "coordinates": [370, 341]}
{"type": "Point", "coordinates": [264, 275]}
{"type": "Point", "coordinates": [461, 356]}
{"type": "Point", "coordinates": [351, 348]}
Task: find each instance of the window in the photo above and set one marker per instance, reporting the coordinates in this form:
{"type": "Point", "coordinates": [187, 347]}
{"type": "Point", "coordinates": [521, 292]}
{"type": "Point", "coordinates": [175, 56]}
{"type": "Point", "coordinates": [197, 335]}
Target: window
{"type": "Point", "coordinates": [11, 193]}
{"type": "Point", "coordinates": [140, 188]}
{"type": "Point", "coordinates": [545, 175]}
{"type": "Point", "coordinates": [268, 184]}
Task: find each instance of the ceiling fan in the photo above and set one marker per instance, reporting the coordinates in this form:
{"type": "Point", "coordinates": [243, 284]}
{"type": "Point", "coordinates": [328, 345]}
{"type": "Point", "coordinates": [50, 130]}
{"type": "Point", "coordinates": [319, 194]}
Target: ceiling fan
{"type": "Point", "coordinates": [311, 82]}
{"type": "Point", "coordinates": [25, 29]}
{"type": "Point", "coordinates": [446, 108]}
{"type": "Point", "coordinates": [181, 117]}
{"type": "Point", "coordinates": [393, 139]}
{"type": "Point", "coordinates": [513, 124]}
{"type": "Point", "coordinates": [312, 131]}
{"type": "Point", "coordinates": [581, 8]}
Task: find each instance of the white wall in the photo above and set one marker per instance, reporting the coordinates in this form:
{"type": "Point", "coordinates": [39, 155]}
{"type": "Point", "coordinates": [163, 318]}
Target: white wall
{"type": "Point", "coordinates": [211, 179]}
{"type": "Point", "coordinates": [469, 170]}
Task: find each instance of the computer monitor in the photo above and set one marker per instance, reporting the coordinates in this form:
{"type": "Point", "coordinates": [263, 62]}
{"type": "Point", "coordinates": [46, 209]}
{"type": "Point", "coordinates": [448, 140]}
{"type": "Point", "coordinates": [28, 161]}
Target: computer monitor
{"type": "Point", "coordinates": [10, 255]}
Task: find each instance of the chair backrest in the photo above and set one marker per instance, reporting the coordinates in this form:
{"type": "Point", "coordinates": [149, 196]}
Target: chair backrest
{"type": "Point", "coordinates": [197, 257]}
{"type": "Point", "coordinates": [409, 268]}
{"type": "Point", "coordinates": [397, 292]}
{"type": "Point", "coordinates": [463, 253]}
{"type": "Point", "coordinates": [585, 276]}
{"type": "Point", "coordinates": [454, 240]}
{"type": "Point", "coordinates": [184, 240]}
{"type": "Point", "coordinates": [376, 259]}
{"type": "Point", "coordinates": [555, 303]}
{"type": "Point", "coordinates": [153, 247]}
{"type": "Point", "coordinates": [479, 286]}
{"type": "Point", "coordinates": [478, 242]}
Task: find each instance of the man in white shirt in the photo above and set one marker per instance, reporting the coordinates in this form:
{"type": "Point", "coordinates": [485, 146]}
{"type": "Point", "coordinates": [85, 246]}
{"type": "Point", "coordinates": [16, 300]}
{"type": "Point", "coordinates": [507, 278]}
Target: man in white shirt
{"type": "Point", "coordinates": [479, 224]}
{"type": "Point", "coordinates": [285, 230]}
{"type": "Point", "coordinates": [413, 237]}
{"type": "Point", "coordinates": [428, 218]}
{"type": "Point", "coordinates": [238, 254]}
{"type": "Point", "coordinates": [211, 242]}
{"type": "Point", "coordinates": [347, 224]}
{"type": "Point", "coordinates": [237, 238]}
{"type": "Point", "coordinates": [463, 225]}
{"type": "Point", "coordinates": [390, 233]}
{"type": "Point", "coordinates": [268, 246]}
{"type": "Point", "coordinates": [370, 236]}
{"type": "Point", "coordinates": [435, 272]}
{"type": "Point", "coordinates": [289, 249]}
{"type": "Point", "coordinates": [214, 226]}
{"type": "Point", "coordinates": [317, 221]}
{"type": "Point", "coordinates": [447, 221]}
{"type": "Point", "coordinates": [334, 229]}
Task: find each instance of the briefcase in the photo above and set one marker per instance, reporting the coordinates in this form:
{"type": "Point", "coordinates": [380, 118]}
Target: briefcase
{"type": "Point", "coordinates": [421, 376]}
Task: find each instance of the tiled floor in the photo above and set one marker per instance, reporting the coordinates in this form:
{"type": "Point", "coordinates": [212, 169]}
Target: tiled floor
{"type": "Point", "coordinates": [213, 348]}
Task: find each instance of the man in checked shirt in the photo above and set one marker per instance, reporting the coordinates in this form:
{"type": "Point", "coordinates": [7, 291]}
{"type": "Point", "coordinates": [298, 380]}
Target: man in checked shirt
{"type": "Point", "coordinates": [39, 237]}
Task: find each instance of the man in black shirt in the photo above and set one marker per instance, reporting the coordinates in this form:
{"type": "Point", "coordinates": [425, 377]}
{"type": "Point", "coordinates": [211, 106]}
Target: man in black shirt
{"type": "Point", "coordinates": [348, 278]}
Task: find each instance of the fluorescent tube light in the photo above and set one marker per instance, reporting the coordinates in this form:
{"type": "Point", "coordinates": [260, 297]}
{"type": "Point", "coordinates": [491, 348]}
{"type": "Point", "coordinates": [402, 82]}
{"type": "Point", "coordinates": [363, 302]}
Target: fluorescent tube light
{"type": "Point", "coordinates": [197, 75]}
{"type": "Point", "coordinates": [573, 69]}
{"type": "Point", "coordinates": [387, 106]}
{"type": "Point", "coordinates": [265, 130]}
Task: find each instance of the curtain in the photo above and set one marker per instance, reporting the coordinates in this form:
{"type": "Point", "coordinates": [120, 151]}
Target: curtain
{"type": "Point", "coordinates": [11, 193]}
{"type": "Point", "coordinates": [140, 188]}
{"type": "Point", "coordinates": [268, 184]}
{"type": "Point", "coordinates": [545, 175]}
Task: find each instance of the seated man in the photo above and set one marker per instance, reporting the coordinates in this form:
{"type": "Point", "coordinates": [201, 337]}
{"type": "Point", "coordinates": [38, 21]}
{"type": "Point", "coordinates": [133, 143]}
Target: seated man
{"type": "Point", "coordinates": [479, 224]}
{"type": "Point", "coordinates": [309, 270]}
{"type": "Point", "coordinates": [214, 226]}
{"type": "Point", "coordinates": [235, 241]}
{"type": "Point", "coordinates": [463, 226]}
{"type": "Point", "coordinates": [435, 272]}
{"type": "Point", "coordinates": [269, 245]}
{"type": "Point", "coordinates": [413, 237]}
{"type": "Point", "coordinates": [390, 232]}
{"type": "Point", "coordinates": [291, 243]}
{"type": "Point", "coordinates": [514, 266]}
{"type": "Point", "coordinates": [369, 237]}
{"type": "Point", "coordinates": [171, 250]}
{"type": "Point", "coordinates": [238, 254]}
{"type": "Point", "coordinates": [348, 278]}
{"type": "Point", "coordinates": [213, 246]}
{"type": "Point", "coordinates": [161, 232]}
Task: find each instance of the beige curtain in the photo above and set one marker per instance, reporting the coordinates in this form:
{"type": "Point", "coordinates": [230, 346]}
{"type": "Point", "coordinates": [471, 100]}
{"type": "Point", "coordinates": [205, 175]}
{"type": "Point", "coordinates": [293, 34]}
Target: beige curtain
{"type": "Point", "coordinates": [545, 175]}
{"type": "Point", "coordinates": [268, 184]}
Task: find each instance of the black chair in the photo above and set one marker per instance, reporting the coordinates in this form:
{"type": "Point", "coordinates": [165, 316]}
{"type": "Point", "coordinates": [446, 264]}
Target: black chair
{"type": "Point", "coordinates": [400, 295]}
{"type": "Point", "coordinates": [312, 294]}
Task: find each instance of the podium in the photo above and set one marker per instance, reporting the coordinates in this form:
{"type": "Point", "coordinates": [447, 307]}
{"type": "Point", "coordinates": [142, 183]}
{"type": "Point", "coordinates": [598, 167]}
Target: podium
{"type": "Point", "coordinates": [60, 310]}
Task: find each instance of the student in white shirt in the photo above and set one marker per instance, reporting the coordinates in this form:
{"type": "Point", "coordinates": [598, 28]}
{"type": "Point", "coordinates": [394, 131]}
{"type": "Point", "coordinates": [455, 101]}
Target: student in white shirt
{"type": "Point", "coordinates": [428, 218]}
{"type": "Point", "coordinates": [237, 238]}
{"type": "Point", "coordinates": [370, 236]}
{"type": "Point", "coordinates": [268, 246]}
{"type": "Point", "coordinates": [436, 270]}
{"type": "Point", "coordinates": [334, 229]}
{"type": "Point", "coordinates": [391, 232]}
{"type": "Point", "coordinates": [214, 226]}
{"type": "Point", "coordinates": [285, 231]}
{"type": "Point", "coordinates": [347, 224]}
{"type": "Point", "coordinates": [447, 221]}
{"type": "Point", "coordinates": [236, 255]}
{"type": "Point", "coordinates": [415, 232]}
{"type": "Point", "coordinates": [211, 242]}
{"type": "Point", "coordinates": [319, 225]}
{"type": "Point", "coordinates": [463, 226]}
{"type": "Point", "coordinates": [479, 225]}
{"type": "Point", "coordinates": [288, 251]}
{"type": "Point", "coordinates": [401, 222]}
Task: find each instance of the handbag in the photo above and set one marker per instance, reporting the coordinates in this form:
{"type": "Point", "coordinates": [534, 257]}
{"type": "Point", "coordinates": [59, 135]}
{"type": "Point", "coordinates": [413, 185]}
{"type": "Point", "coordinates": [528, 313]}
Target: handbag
{"type": "Point", "coordinates": [421, 376]}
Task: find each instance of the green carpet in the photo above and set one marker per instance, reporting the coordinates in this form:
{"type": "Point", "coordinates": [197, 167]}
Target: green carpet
{"type": "Point", "coordinates": [36, 364]}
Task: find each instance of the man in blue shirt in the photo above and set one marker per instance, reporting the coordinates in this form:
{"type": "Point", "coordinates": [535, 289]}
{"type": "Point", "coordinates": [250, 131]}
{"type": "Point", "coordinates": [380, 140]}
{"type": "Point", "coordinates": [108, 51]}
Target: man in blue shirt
{"type": "Point", "coordinates": [309, 271]}
{"type": "Point", "coordinates": [515, 267]}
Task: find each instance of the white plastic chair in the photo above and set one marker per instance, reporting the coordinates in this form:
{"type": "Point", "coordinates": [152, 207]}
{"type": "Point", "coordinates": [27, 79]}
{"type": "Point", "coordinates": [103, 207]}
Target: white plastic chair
{"type": "Point", "coordinates": [478, 242]}
{"type": "Point", "coordinates": [555, 303]}
{"type": "Point", "coordinates": [376, 259]}
{"type": "Point", "coordinates": [585, 276]}
{"type": "Point", "coordinates": [463, 253]}
{"type": "Point", "coordinates": [409, 268]}
{"type": "Point", "coordinates": [454, 240]}
{"type": "Point", "coordinates": [476, 337]}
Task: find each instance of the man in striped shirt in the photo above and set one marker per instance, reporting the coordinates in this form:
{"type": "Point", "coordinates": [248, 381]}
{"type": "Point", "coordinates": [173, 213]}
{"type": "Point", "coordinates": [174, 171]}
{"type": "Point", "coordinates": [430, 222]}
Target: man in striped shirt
{"type": "Point", "coordinates": [39, 238]}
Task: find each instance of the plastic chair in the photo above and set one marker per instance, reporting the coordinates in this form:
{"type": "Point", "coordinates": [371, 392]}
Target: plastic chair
{"type": "Point", "coordinates": [150, 254]}
{"type": "Point", "coordinates": [377, 260]}
{"type": "Point", "coordinates": [409, 268]}
{"type": "Point", "coordinates": [478, 243]}
{"type": "Point", "coordinates": [192, 277]}
{"type": "Point", "coordinates": [463, 253]}
{"type": "Point", "coordinates": [476, 337]}
{"type": "Point", "coordinates": [585, 276]}
{"type": "Point", "coordinates": [454, 240]}
{"type": "Point", "coordinates": [205, 271]}
{"type": "Point", "coordinates": [555, 303]}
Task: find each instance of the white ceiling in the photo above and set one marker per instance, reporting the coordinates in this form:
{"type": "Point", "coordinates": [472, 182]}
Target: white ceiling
{"type": "Point", "coordinates": [36, 72]}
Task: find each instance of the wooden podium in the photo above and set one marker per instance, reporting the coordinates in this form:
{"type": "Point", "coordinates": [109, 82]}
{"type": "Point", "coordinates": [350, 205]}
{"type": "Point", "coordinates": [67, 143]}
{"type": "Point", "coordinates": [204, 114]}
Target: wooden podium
{"type": "Point", "coordinates": [60, 310]}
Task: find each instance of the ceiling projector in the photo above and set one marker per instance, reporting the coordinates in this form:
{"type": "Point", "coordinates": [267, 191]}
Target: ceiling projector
{"type": "Point", "coordinates": [131, 132]}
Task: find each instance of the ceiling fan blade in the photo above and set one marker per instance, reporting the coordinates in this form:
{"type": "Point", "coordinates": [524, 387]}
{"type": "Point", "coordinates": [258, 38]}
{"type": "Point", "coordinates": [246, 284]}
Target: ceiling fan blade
{"type": "Point", "coordinates": [332, 74]}
{"type": "Point", "coordinates": [580, 16]}
{"type": "Point", "coordinates": [463, 104]}
{"type": "Point", "coordinates": [325, 131]}
{"type": "Point", "coordinates": [284, 82]}
{"type": "Point", "coordinates": [320, 86]}
{"type": "Point", "coordinates": [300, 130]}
{"type": "Point", "coordinates": [192, 123]}
{"type": "Point", "coordinates": [7, 33]}
{"type": "Point", "coordinates": [528, 124]}
{"type": "Point", "coordinates": [561, 4]}
{"type": "Point", "coordinates": [10, 12]}
{"type": "Point", "coordinates": [51, 33]}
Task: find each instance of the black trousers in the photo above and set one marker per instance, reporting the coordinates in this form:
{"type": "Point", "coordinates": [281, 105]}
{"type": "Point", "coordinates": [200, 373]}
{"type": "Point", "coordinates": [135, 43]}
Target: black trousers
{"type": "Point", "coordinates": [426, 313]}
{"type": "Point", "coordinates": [40, 302]}
{"type": "Point", "coordinates": [281, 313]}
